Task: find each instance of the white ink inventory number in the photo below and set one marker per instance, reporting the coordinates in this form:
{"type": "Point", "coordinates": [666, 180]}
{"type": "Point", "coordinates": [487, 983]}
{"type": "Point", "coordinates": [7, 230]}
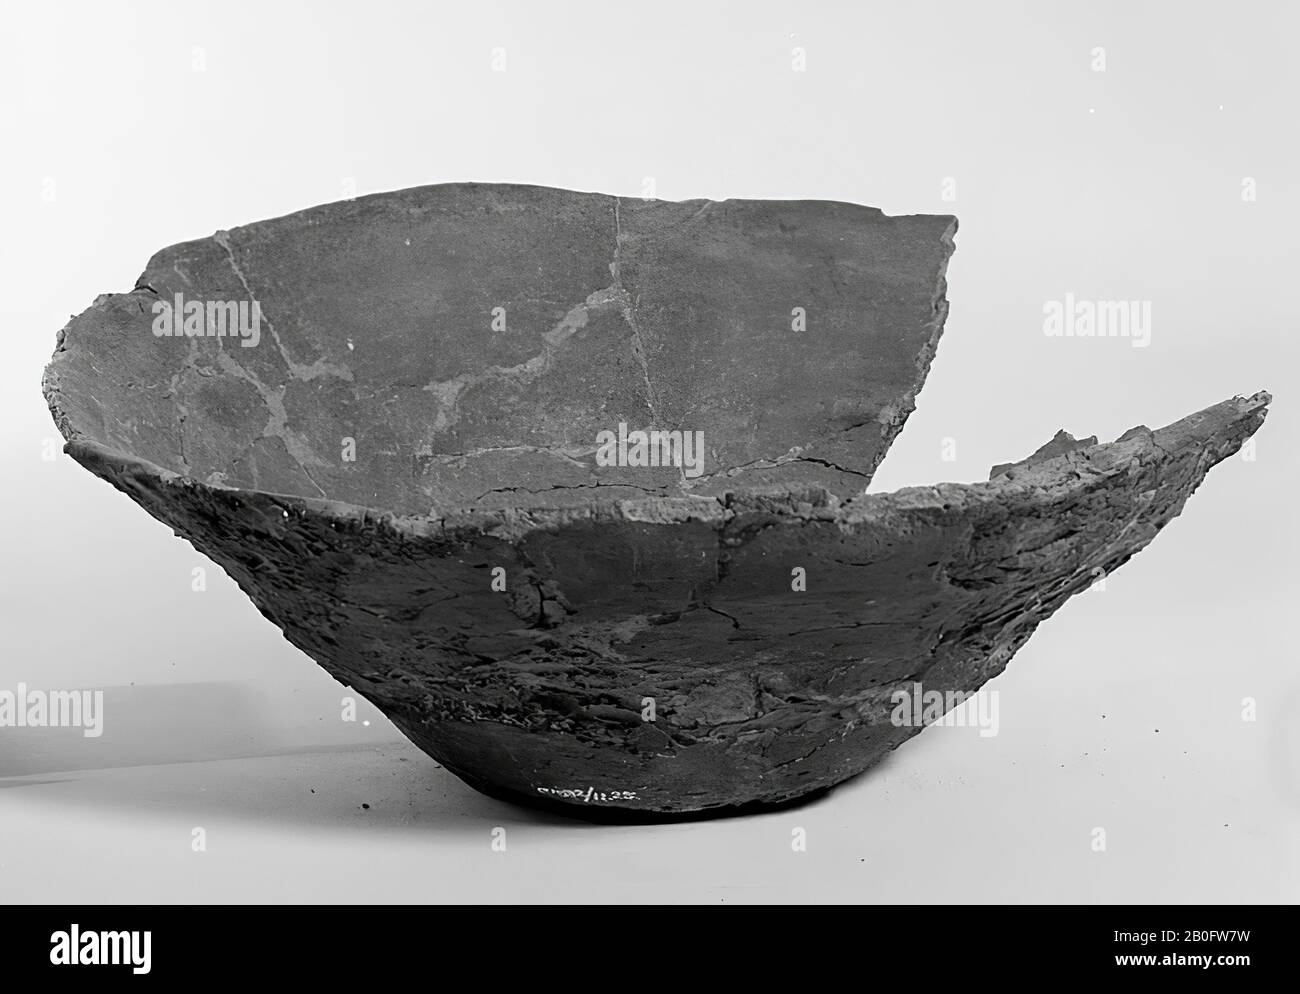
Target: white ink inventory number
{"type": "Point", "coordinates": [589, 795]}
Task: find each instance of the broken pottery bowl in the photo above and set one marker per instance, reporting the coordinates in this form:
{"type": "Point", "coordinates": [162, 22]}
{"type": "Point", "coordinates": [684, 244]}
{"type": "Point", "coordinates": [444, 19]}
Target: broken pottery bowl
{"type": "Point", "coordinates": [570, 486]}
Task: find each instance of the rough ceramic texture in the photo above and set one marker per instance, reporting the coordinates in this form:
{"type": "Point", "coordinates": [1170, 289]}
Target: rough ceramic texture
{"type": "Point", "coordinates": [762, 694]}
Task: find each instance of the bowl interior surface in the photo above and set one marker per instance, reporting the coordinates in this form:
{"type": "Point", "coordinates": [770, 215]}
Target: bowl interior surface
{"type": "Point", "coordinates": [467, 345]}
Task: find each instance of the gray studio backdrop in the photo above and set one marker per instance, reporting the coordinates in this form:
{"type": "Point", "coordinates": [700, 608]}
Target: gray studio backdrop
{"type": "Point", "coordinates": [1143, 153]}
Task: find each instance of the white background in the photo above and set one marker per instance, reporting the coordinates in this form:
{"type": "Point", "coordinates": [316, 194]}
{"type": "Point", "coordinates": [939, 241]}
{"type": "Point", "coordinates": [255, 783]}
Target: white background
{"type": "Point", "coordinates": [128, 127]}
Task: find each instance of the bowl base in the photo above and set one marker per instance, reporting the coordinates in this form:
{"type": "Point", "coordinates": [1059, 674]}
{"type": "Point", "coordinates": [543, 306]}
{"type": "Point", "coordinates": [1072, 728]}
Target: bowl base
{"type": "Point", "coordinates": [610, 815]}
